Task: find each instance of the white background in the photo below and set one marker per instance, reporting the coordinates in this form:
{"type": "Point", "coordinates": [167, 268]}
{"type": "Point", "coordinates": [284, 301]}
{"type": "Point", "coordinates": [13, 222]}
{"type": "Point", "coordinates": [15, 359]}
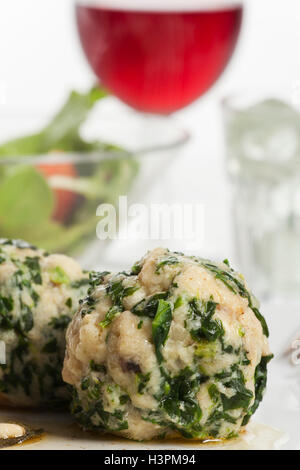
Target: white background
{"type": "Point", "coordinates": [41, 60]}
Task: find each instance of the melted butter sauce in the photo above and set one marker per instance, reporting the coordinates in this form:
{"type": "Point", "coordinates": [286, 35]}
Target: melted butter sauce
{"type": "Point", "coordinates": [256, 436]}
{"type": "Point", "coordinates": [31, 440]}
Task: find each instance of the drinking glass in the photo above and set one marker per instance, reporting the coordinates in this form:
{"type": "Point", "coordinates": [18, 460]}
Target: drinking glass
{"type": "Point", "coordinates": [263, 160]}
{"type": "Point", "coordinates": [51, 199]}
{"type": "Point", "coordinates": [158, 56]}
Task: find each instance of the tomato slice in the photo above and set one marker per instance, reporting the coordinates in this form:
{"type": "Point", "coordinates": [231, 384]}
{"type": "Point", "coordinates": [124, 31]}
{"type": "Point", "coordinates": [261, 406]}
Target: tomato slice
{"type": "Point", "coordinates": [64, 200]}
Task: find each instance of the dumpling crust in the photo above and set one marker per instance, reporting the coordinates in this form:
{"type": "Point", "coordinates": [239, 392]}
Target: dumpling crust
{"type": "Point", "coordinates": [177, 345]}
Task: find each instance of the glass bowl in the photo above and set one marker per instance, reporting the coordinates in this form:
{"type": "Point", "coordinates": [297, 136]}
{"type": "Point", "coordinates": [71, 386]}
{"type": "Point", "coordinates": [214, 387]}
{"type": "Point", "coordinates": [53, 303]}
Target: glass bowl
{"type": "Point", "coordinates": [50, 200]}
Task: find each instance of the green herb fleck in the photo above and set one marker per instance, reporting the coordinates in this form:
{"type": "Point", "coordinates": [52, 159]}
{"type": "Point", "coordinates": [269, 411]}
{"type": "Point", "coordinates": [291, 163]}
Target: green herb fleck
{"type": "Point", "coordinates": [136, 269]}
{"type": "Point", "coordinates": [260, 379]}
{"type": "Point", "coordinates": [161, 326]}
{"type": "Point", "coordinates": [170, 260]}
{"type": "Point", "coordinates": [142, 380]}
{"type": "Point", "coordinates": [50, 347]}
{"type": "Point", "coordinates": [85, 383]}
{"type": "Point", "coordinates": [58, 276]}
{"type": "Point", "coordinates": [60, 323]}
{"type": "Point", "coordinates": [97, 367]}
{"type": "Point", "coordinates": [237, 287]}
{"type": "Point", "coordinates": [112, 313]}
{"type": "Point", "coordinates": [201, 314]}
{"type": "Point", "coordinates": [148, 307]}
{"type": "Point", "coordinates": [33, 264]}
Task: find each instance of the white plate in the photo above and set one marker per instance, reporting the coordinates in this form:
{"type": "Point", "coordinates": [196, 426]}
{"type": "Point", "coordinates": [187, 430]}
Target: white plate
{"type": "Point", "coordinates": [61, 433]}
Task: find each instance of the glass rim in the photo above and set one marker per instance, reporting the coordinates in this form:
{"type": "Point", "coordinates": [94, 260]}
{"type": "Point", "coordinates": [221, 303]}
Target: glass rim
{"type": "Point", "coordinates": [241, 101]}
{"type": "Point", "coordinates": [162, 7]}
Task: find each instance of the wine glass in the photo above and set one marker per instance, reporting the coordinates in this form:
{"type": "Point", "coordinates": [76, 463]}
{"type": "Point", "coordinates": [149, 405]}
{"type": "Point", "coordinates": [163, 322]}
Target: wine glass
{"type": "Point", "coordinates": [158, 56]}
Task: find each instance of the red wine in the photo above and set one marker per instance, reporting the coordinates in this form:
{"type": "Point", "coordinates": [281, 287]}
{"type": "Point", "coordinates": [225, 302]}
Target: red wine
{"type": "Point", "coordinates": [158, 61]}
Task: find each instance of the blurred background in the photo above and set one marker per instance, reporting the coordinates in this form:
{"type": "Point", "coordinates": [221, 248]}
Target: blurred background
{"type": "Point", "coordinates": [240, 162]}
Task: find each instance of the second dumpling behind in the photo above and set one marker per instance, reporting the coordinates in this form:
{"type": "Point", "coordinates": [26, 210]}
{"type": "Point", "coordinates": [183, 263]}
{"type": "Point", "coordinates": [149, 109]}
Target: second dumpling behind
{"type": "Point", "coordinates": [39, 294]}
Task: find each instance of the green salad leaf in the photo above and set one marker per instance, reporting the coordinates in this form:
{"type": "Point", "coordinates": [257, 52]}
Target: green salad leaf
{"type": "Point", "coordinates": [25, 199]}
{"type": "Point", "coordinates": [62, 133]}
{"type": "Point", "coordinates": [28, 199]}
